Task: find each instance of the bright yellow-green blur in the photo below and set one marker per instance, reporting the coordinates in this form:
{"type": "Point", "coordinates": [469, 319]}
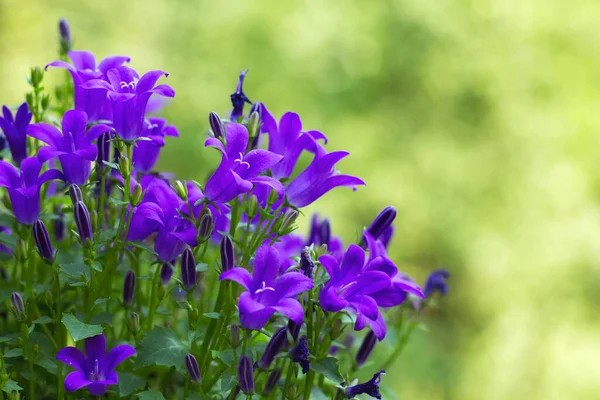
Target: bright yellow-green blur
{"type": "Point", "coordinates": [478, 120]}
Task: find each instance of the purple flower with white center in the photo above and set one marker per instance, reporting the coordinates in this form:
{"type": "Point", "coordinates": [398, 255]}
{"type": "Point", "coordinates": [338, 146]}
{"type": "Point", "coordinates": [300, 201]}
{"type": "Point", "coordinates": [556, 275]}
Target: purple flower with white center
{"type": "Point", "coordinates": [129, 95]}
{"type": "Point", "coordinates": [146, 152]}
{"type": "Point", "coordinates": [238, 172]}
{"type": "Point", "coordinates": [350, 288]}
{"type": "Point", "coordinates": [83, 69]}
{"type": "Point", "coordinates": [96, 369]}
{"type": "Point", "coordinates": [266, 293]}
{"type": "Point", "coordinates": [23, 187]}
{"type": "Point", "coordinates": [437, 282]}
{"type": "Point", "coordinates": [15, 131]}
{"type": "Point", "coordinates": [371, 387]}
{"type": "Point", "coordinates": [319, 178]}
{"type": "Point", "coordinates": [289, 140]}
{"type": "Point", "coordinates": [239, 99]}
{"type": "Point", "coordinates": [73, 147]}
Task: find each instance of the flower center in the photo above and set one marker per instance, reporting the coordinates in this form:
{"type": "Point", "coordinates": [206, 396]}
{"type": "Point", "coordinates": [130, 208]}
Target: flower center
{"type": "Point", "coordinates": [96, 375]}
{"type": "Point", "coordinates": [342, 290]}
{"type": "Point", "coordinates": [71, 141]}
{"type": "Point", "coordinates": [264, 288]}
{"type": "Point", "coordinates": [242, 162]}
{"type": "Point", "coordinates": [130, 87]}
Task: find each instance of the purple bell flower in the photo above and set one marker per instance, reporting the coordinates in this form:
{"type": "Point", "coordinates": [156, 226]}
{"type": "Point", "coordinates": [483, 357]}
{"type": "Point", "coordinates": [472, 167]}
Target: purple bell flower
{"type": "Point", "coordinates": [238, 172]}
{"type": "Point", "coordinates": [288, 140]}
{"type": "Point", "coordinates": [265, 293]}
{"type": "Point", "coordinates": [23, 187]}
{"type": "Point", "coordinates": [83, 69]}
{"type": "Point", "coordinates": [371, 387]}
{"type": "Point", "coordinates": [129, 95]}
{"type": "Point", "coordinates": [166, 272]}
{"type": "Point", "coordinates": [96, 369]}
{"type": "Point", "coordinates": [73, 147]}
{"type": "Point", "coordinates": [15, 131]}
{"type": "Point", "coordinates": [146, 152]}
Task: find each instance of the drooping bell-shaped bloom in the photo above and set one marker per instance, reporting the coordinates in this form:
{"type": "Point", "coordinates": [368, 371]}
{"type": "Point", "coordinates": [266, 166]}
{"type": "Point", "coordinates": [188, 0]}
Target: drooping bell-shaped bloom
{"type": "Point", "coordinates": [129, 95]}
{"type": "Point", "coordinates": [288, 140]}
{"type": "Point", "coordinates": [371, 387]}
{"type": "Point", "coordinates": [146, 152]}
{"type": "Point", "coordinates": [319, 178]}
{"type": "Point", "coordinates": [15, 130]}
{"type": "Point", "coordinates": [265, 292]}
{"type": "Point", "coordinates": [83, 68]}
{"type": "Point", "coordinates": [239, 99]}
{"type": "Point", "coordinates": [23, 187]}
{"type": "Point", "coordinates": [96, 369]}
{"type": "Point", "coordinates": [238, 171]}
{"type": "Point", "coordinates": [73, 146]}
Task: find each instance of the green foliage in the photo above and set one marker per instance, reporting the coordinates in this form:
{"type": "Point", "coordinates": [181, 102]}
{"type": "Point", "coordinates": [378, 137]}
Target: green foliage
{"type": "Point", "coordinates": [161, 347]}
{"type": "Point", "coordinates": [78, 329]}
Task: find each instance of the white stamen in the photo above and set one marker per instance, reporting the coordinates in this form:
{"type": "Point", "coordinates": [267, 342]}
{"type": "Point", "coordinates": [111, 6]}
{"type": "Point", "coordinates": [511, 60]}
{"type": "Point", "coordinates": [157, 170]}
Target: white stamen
{"type": "Point", "coordinates": [242, 162]}
{"type": "Point", "coordinates": [264, 288]}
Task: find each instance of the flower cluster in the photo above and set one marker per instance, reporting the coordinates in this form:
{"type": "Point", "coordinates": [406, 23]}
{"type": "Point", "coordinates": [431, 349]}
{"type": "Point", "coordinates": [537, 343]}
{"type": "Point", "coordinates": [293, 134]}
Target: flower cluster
{"type": "Point", "coordinates": [207, 285]}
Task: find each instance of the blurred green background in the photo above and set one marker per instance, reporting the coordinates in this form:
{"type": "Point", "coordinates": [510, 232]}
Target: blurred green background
{"type": "Point", "coordinates": [478, 120]}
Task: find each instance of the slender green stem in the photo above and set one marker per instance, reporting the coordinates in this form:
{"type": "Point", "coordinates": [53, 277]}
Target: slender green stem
{"type": "Point", "coordinates": [153, 296]}
{"type": "Point", "coordinates": [288, 377]}
{"type": "Point", "coordinates": [58, 333]}
{"type": "Point", "coordinates": [211, 330]}
{"type": "Point", "coordinates": [101, 213]}
{"type": "Point", "coordinates": [401, 344]}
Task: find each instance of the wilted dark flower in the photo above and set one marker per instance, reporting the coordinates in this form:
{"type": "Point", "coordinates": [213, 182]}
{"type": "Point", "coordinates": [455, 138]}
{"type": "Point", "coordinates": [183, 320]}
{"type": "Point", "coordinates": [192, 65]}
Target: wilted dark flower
{"type": "Point", "coordinates": [238, 99]}
{"type": "Point", "coordinates": [42, 240]}
{"type": "Point", "coordinates": [307, 266]}
{"type": "Point", "coordinates": [371, 387]}
{"type": "Point", "coordinates": [245, 373]}
{"type": "Point", "coordinates": [129, 288]}
{"type": "Point", "coordinates": [188, 269]}
{"type": "Point", "coordinates": [275, 345]}
{"type": "Point", "coordinates": [366, 348]}
{"type": "Point", "coordinates": [191, 364]}
{"type": "Point", "coordinates": [300, 354]}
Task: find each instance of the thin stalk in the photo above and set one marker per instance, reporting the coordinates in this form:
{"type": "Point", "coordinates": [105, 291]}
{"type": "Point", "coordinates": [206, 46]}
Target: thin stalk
{"type": "Point", "coordinates": [402, 342]}
{"type": "Point", "coordinates": [153, 306]}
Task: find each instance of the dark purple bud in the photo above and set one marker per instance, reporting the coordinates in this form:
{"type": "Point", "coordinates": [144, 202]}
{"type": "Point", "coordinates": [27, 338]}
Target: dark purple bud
{"type": "Point", "coordinates": [272, 380]}
{"type": "Point", "coordinates": [235, 335]}
{"type": "Point", "coordinates": [166, 273]}
{"type": "Point", "coordinates": [307, 266]}
{"type": "Point", "coordinates": [18, 306]}
{"type": "Point", "coordinates": [437, 282]}
{"type": "Point", "coordinates": [366, 348]}
{"type": "Point", "coordinates": [75, 194]}
{"type": "Point", "coordinates": [216, 125]}
{"type": "Point", "coordinates": [238, 99]}
{"type": "Point", "coordinates": [383, 221]}
{"type": "Point", "coordinates": [65, 35]}
{"type": "Point", "coordinates": [325, 232]}
{"type": "Point", "coordinates": [191, 364]}
{"type": "Point", "coordinates": [294, 329]}
{"type": "Point", "coordinates": [42, 240]}
{"type": "Point", "coordinates": [206, 226]}
{"type": "Point", "coordinates": [227, 255]}
{"type": "Point", "coordinates": [274, 347]}
{"type": "Point", "coordinates": [386, 236]}
{"type": "Point", "coordinates": [129, 288]}
{"type": "Point", "coordinates": [83, 222]}
{"type": "Point", "coordinates": [314, 233]}
{"type": "Point", "coordinates": [103, 150]}
{"type": "Point", "coordinates": [188, 269]}
{"type": "Point", "coordinates": [371, 387]}
{"type": "Point", "coordinates": [245, 373]}
{"type": "Point", "coordinates": [59, 226]}
{"type": "Point", "coordinates": [300, 353]}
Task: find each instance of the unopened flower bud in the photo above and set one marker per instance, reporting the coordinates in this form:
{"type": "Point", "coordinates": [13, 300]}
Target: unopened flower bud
{"type": "Point", "coordinates": [18, 306]}
{"type": "Point", "coordinates": [45, 102]}
{"type": "Point", "coordinates": [83, 222]}
{"type": "Point", "coordinates": [3, 274]}
{"type": "Point", "coordinates": [129, 288]}
{"type": "Point", "coordinates": [272, 380]}
{"type": "Point", "coordinates": [253, 124]}
{"type": "Point", "coordinates": [136, 195]}
{"type": "Point", "coordinates": [65, 36]}
{"type": "Point", "coordinates": [42, 240]}
{"type": "Point", "coordinates": [103, 150]}
{"type": "Point", "coordinates": [366, 348]}
{"type": "Point", "coordinates": [37, 75]}
{"type": "Point", "coordinates": [181, 190]}
{"type": "Point", "coordinates": [273, 197]}
{"type": "Point", "coordinates": [216, 125]}
{"type": "Point", "coordinates": [245, 373]}
{"type": "Point", "coordinates": [287, 222]}
{"type": "Point", "coordinates": [191, 364]}
{"type": "Point", "coordinates": [134, 321]}
{"type": "Point", "coordinates": [235, 335]}
{"type": "Point", "coordinates": [166, 273]}
{"type": "Point", "coordinates": [383, 221]}
{"type": "Point", "coordinates": [188, 269]}
{"type": "Point", "coordinates": [227, 254]}
{"type": "Point", "coordinates": [336, 329]}
{"type": "Point", "coordinates": [206, 226]}
{"type": "Point", "coordinates": [275, 345]}
{"type": "Point", "coordinates": [437, 282]}
{"type": "Point", "coordinates": [292, 392]}
{"type": "Point", "coordinates": [124, 167]}
{"type": "Point", "coordinates": [59, 226]}
{"type": "Point", "coordinates": [325, 232]}
{"type": "Point", "coordinates": [252, 206]}
{"type": "Point", "coordinates": [14, 395]}
{"type": "Point", "coordinates": [75, 193]}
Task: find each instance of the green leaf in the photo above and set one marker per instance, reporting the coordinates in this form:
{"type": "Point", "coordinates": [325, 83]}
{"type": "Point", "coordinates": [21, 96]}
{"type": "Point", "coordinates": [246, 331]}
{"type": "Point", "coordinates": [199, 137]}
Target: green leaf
{"type": "Point", "coordinates": [317, 394]}
{"type": "Point", "coordinates": [129, 383]}
{"type": "Point", "coordinates": [328, 367]}
{"type": "Point", "coordinates": [201, 267]}
{"type": "Point", "coordinates": [141, 245]}
{"type": "Point", "coordinates": [117, 202]}
{"type": "Point", "coordinates": [161, 347]}
{"type": "Point", "coordinates": [97, 266]}
{"type": "Point", "coordinates": [75, 270]}
{"type": "Point", "coordinates": [78, 329]}
{"type": "Point", "coordinates": [111, 164]}
{"type": "Point", "coordinates": [48, 364]}
{"type": "Point", "coordinates": [226, 356]}
{"type": "Point", "coordinates": [102, 318]}
{"type": "Point", "coordinates": [100, 302]}
{"type": "Point", "coordinates": [10, 385]}
{"type": "Point", "coordinates": [150, 395]}
{"type": "Point", "coordinates": [13, 353]}
{"type": "Point", "coordinates": [212, 315]}
{"type": "Point", "coordinates": [44, 319]}
{"type": "Point", "coordinates": [8, 240]}
{"type": "Point", "coordinates": [8, 338]}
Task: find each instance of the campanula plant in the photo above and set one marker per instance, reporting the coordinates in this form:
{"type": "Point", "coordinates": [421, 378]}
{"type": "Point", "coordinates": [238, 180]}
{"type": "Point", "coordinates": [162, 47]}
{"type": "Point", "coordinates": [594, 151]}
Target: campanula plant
{"type": "Point", "coordinates": [120, 281]}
